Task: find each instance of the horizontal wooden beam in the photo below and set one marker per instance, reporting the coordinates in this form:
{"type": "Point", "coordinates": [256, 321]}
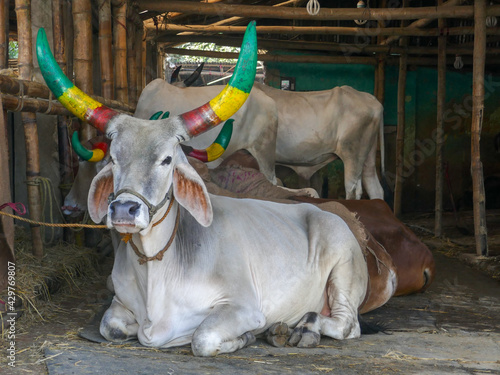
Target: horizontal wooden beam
{"type": "Point", "coordinates": [319, 59]}
{"type": "Point", "coordinates": [329, 30]}
{"type": "Point", "coordinates": [325, 14]}
{"type": "Point", "coordinates": [13, 86]}
{"type": "Point", "coordinates": [350, 49]}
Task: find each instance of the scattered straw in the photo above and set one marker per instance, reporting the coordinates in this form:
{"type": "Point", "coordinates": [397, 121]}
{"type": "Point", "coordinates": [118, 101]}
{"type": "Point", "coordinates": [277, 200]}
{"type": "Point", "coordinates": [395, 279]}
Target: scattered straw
{"type": "Point", "coordinates": [36, 279]}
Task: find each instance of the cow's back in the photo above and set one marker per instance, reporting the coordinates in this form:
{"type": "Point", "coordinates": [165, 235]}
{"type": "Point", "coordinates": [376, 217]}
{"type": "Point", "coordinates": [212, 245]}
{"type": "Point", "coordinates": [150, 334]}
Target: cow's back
{"type": "Point", "coordinates": [315, 124]}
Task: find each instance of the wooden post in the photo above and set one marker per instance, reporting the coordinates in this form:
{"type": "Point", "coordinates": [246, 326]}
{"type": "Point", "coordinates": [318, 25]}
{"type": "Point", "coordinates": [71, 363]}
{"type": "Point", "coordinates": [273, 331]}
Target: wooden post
{"type": "Point", "coordinates": [82, 21]}
{"type": "Point", "coordinates": [477, 123]}
{"type": "Point", "coordinates": [105, 49]}
{"type": "Point", "coordinates": [131, 60]}
{"type": "Point", "coordinates": [69, 33]}
{"type": "Point", "coordinates": [4, 34]}
{"type": "Point", "coordinates": [138, 60]}
{"type": "Point", "coordinates": [400, 134]}
{"type": "Point", "coordinates": [6, 223]}
{"type": "Point", "coordinates": [441, 99]}
{"type": "Point", "coordinates": [64, 149]}
{"type": "Point", "coordinates": [23, 12]}
{"type": "Point", "coordinates": [120, 49]}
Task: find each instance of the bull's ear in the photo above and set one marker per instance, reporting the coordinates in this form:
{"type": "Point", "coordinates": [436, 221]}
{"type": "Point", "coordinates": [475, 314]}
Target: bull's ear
{"type": "Point", "coordinates": [191, 193]}
{"type": "Point", "coordinates": [100, 189]}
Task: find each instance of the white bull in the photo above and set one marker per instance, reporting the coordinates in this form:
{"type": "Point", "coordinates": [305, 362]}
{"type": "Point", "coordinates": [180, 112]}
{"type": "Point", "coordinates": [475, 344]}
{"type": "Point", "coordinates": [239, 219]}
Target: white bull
{"type": "Point", "coordinates": [213, 271]}
{"type": "Point", "coordinates": [314, 128]}
{"type": "Point", "coordinates": [235, 266]}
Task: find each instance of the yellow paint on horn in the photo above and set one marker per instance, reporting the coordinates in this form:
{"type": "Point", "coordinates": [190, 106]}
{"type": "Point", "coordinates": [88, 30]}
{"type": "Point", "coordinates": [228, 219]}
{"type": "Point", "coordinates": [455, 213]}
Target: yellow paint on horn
{"type": "Point", "coordinates": [97, 155]}
{"type": "Point", "coordinates": [79, 101]}
{"type": "Point", "coordinates": [228, 102]}
{"type": "Point", "coordinates": [214, 151]}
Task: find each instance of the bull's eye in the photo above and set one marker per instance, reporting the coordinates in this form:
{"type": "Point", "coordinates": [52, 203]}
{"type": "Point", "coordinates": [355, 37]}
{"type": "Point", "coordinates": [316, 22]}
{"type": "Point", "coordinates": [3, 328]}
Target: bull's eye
{"type": "Point", "coordinates": [167, 160]}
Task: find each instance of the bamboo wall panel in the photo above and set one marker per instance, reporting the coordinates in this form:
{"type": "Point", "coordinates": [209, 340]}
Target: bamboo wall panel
{"type": "Point", "coordinates": [120, 49]}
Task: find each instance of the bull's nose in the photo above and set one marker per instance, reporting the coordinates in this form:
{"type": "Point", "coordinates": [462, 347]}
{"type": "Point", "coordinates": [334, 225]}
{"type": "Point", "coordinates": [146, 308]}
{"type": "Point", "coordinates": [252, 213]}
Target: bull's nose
{"type": "Point", "coordinates": [124, 211]}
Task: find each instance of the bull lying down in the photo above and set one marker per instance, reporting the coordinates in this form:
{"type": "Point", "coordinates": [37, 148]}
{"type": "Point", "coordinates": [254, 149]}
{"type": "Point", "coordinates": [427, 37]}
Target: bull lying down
{"type": "Point", "coordinates": [209, 270]}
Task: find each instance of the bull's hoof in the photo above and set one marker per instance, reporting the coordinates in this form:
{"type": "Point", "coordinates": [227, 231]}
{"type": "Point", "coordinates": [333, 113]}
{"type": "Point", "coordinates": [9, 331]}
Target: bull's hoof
{"type": "Point", "coordinates": [304, 338]}
{"type": "Point", "coordinates": [277, 335]}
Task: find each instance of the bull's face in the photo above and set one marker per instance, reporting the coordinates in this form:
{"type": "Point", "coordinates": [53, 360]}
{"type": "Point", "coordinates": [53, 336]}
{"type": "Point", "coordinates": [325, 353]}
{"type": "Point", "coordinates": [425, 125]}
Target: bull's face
{"type": "Point", "coordinates": [147, 158]}
{"type": "Point", "coordinates": [148, 169]}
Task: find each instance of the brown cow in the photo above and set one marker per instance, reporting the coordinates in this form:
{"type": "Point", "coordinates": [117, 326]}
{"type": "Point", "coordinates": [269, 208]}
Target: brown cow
{"type": "Point", "coordinates": [413, 260]}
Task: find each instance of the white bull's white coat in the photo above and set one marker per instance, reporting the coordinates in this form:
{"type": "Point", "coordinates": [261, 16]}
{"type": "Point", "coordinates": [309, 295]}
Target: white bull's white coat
{"type": "Point", "coordinates": [236, 266]}
{"type": "Point", "coordinates": [316, 127]}
{"type": "Point", "coordinates": [255, 123]}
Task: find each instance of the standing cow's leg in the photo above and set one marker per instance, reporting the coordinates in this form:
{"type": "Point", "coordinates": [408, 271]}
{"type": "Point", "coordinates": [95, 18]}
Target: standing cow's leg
{"type": "Point", "coordinates": [371, 182]}
{"type": "Point", "coordinates": [352, 178]}
{"type": "Point", "coordinates": [227, 329]}
{"type": "Point", "coordinates": [118, 323]}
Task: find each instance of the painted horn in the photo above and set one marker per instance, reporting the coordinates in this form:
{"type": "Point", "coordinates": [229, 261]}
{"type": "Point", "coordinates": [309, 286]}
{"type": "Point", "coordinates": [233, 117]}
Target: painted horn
{"type": "Point", "coordinates": [224, 105]}
{"type": "Point", "coordinates": [96, 154]}
{"type": "Point", "coordinates": [70, 96]}
{"type": "Point", "coordinates": [193, 77]}
{"type": "Point", "coordinates": [212, 152]}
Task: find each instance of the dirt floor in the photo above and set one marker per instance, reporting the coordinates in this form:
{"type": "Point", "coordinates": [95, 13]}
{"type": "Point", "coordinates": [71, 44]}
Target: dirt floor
{"type": "Point", "coordinates": [453, 328]}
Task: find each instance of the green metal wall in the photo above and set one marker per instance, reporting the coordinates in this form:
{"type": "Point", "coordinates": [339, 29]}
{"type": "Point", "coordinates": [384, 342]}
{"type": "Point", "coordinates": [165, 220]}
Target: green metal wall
{"type": "Point", "coordinates": [421, 90]}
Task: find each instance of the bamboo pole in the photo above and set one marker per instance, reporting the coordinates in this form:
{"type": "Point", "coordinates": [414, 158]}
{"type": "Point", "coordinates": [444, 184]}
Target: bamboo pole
{"type": "Point", "coordinates": [400, 134]}
{"type": "Point", "coordinates": [69, 34]}
{"type": "Point", "coordinates": [441, 99]}
{"type": "Point", "coordinates": [326, 30]}
{"type": "Point", "coordinates": [424, 22]}
{"type": "Point", "coordinates": [138, 60]}
{"type": "Point", "coordinates": [23, 12]}
{"type": "Point", "coordinates": [6, 223]}
{"type": "Point", "coordinates": [105, 49]}
{"type": "Point", "coordinates": [82, 21]}
{"type": "Point", "coordinates": [325, 14]}
{"type": "Point", "coordinates": [4, 34]}
{"type": "Point", "coordinates": [477, 123]}
{"type": "Point", "coordinates": [120, 49]}
{"type": "Point", "coordinates": [64, 149]}
{"type": "Point", "coordinates": [131, 60]}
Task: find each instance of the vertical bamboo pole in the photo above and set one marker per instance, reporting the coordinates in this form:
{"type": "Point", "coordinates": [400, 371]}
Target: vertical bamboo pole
{"type": "Point", "coordinates": [131, 61]}
{"type": "Point", "coordinates": [4, 34]}
{"type": "Point", "coordinates": [441, 98]}
{"type": "Point", "coordinates": [138, 60]}
{"type": "Point", "coordinates": [6, 223]}
{"type": "Point", "coordinates": [65, 159]}
{"type": "Point", "coordinates": [400, 134]}
{"type": "Point", "coordinates": [69, 33]}
{"type": "Point", "coordinates": [105, 49]}
{"type": "Point", "coordinates": [82, 23]}
{"type": "Point", "coordinates": [120, 44]}
{"type": "Point", "coordinates": [477, 123]}
{"type": "Point", "coordinates": [23, 12]}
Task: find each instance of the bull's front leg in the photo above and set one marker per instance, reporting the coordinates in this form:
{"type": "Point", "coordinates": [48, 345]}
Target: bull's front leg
{"type": "Point", "coordinates": [227, 329]}
{"type": "Point", "coordinates": [118, 323]}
